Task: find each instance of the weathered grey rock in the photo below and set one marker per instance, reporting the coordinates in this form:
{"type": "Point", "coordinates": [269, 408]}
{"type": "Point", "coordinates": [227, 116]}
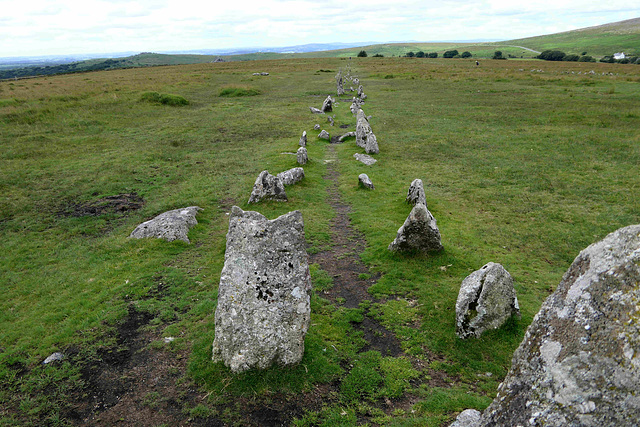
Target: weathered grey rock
{"type": "Point", "coordinates": [365, 182]}
{"type": "Point", "coordinates": [339, 84]}
{"type": "Point", "coordinates": [416, 194]}
{"type": "Point", "coordinates": [171, 225]}
{"type": "Point", "coordinates": [360, 91]}
{"type": "Point", "coordinates": [419, 232]}
{"type": "Point", "coordinates": [371, 144]}
{"type": "Point", "coordinates": [302, 156]}
{"type": "Point", "coordinates": [324, 135]}
{"type": "Point", "coordinates": [363, 129]}
{"type": "Point", "coordinates": [467, 418]}
{"type": "Point", "coordinates": [315, 110]}
{"type": "Point", "coordinates": [263, 300]}
{"type": "Point", "coordinates": [331, 119]}
{"type": "Point", "coordinates": [261, 74]}
{"type": "Point", "coordinates": [303, 139]}
{"type": "Point", "coordinates": [291, 176]}
{"type": "Point", "coordinates": [268, 187]}
{"type": "Point", "coordinates": [579, 361]}
{"type": "Point", "coordinates": [485, 301]}
{"type": "Point", "coordinates": [316, 127]}
{"type": "Point", "coordinates": [327, 105]}
{"type": "Point", "coordinates": [54, 357]}
{"type": "Point", "coordinates": [366, 159]}
{"type": "Point", "coordinates": [346, 135]}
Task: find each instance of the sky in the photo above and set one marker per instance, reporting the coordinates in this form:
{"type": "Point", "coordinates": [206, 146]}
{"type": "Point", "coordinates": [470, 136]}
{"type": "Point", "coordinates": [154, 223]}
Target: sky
{"type": "Point", "coordinates": [59, 27]}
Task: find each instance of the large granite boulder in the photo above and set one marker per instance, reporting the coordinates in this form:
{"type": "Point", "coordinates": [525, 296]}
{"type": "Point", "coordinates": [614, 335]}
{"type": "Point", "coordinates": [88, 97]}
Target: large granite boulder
{"type": "Point", "coordinates": [485, 301]}
{"type": "Point", "coordinates": [416, 193]}
{"type": "Point", "coordinates": [267, 187]}
{"type": "Point", "coordinates": [302, 157]}
{"type": "Point", "coordinates": [419, 232]}
{"type": "Point", "coordinates": [579, 361]}
{"type": "Point", "coordinates": [263, 300]}
{"type": "Point", "coordinates": [171, 225]}
{"type": "Point", "coordinates": [291, 176]}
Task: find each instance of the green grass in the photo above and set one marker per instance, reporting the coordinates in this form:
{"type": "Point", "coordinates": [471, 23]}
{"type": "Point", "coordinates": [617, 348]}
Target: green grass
{"type": "Point", "coordinates": [522, 168]}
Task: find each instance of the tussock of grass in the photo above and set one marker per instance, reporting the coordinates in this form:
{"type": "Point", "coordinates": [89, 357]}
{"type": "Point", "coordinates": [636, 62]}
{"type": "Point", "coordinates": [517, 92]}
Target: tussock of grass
{"type": "Point", "coordinates": [237, 91]}
{"type": "Point", "coordinates": [163, 98]}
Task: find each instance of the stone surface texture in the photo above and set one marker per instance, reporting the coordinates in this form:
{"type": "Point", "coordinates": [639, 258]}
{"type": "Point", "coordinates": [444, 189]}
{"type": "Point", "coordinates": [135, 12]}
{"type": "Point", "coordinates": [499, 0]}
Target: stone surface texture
{"type": "Point", "coordinates": [416, 193]}
{"type": "Point", "coordinates": [366, 159]}
{"type": "Point", "coordinates": [467, 418]}
{"type": "Point", "coordinates": [365, 182]}
{"type": "Point", "coordinates": [419, 232]}
{"type": "Point", "coordinates": [264, 295]}
{"type": "Point", "coordinates": [268, 187]}
{"type": "Point", "coordinates": [486, 300]}
{"type": "Point", "coordinates": [346, 135]}
{"type": "Point", "coordinates": [302, 157]}
{"type": "Point", "coordinates": [579, 361]}
{"type": "Point", "coordinates": [324, 135]}
{"type": "Point", "coordinates": [363, 129]}
{"type": "Point", "coordinates": [371, 144]}
{"type": "Point", "coordinates": [171, 225]}
{"type": "Point", "coordinates": [327, 105]}
{"type": "Point", "coordinates": [315, 110]}
{"type": "Point", "coordinates": [303, 139]}
{"type": "Point", "coordinates": [291, 176]}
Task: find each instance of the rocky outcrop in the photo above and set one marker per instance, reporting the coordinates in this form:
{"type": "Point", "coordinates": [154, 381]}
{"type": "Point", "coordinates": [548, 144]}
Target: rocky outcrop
{"type": "Point", "coordinates": [367, 160]}
{"type": "Point", "coordinates": [579, 361]}
{"type": "Point", "coordinates": [268, 187]}
{"type": "Point", "coordinates": [416, 193]}
{"type": "Point", "coordinates": [365, 182]}
{"type": "Point", "coordinates": [418, 233]}
{"type": "Point", "coordinates": [485, 301]}
{"type": "Point", "coordinates": [303, 139]}
{"type": "Point", "coordinates": [263, 307]}
{"type": "Point", "coordinates": [301, 156]}
{"type": "Point", "coordinates": [171, 225]}
{"type": "Point", "coordinates": [291, 176]}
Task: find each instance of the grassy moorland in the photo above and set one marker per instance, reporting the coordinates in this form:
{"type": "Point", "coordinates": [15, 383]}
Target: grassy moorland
{"type": "Point", "coordinates": [522, 167]}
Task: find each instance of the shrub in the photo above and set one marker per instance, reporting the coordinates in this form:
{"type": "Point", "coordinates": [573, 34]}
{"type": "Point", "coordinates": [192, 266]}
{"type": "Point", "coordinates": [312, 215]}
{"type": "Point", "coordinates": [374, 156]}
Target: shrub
{"type": "Point", "coordinates": [623, 61]}
{"type": "Point", "coordinates": [466, 54]}
{"type": "Point", "coordinates": [410, 54]}
{"type": "Point", "coordinates": [362, 54]}
{"type": "Point", "coordinates": [584, 53]}
{"type": "Point", "coordinates": [378, 55]}
{"type": "Point", "coordinates": [571, 57]}
{"type": "Point", "coordinates": [551, 55]}
{"type": "Point", "coordinates": [163, 98]}
{"type": "Point", "coordinates": [609, 59]}
{"type": "Point", "coordinates": [587, 58]}
{"type": "Point", "coordinates": [498, 55]}
{"type": "Point", "coordinates": [433, 55]}
{"type": "Point", "coordinates": [420, 54]}
{"type": "Point", "coordinates": [236, 91]}
{"type": "Point", "coordinates": [450, 54]}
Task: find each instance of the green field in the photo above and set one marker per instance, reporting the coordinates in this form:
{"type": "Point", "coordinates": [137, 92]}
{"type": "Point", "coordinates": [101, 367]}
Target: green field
{"type": "Point", "coordinates": [521, 166]}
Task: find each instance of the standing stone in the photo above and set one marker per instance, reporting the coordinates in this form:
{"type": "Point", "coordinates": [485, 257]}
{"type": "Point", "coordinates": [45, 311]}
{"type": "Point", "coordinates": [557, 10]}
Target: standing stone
{"type": "Point", "coordinates": [365, 182]}
{"type": "Point", "coordinates": [416, 194]}
{"type": "Point", "coordinates": [419, 232]}
{"type": "Point", "coordinates": [363, 129]}
{"type": "Point", "coordinates": [263, 307]}
{"type": "Point", "coordinates": [301, 156]}
{"type": "Point", "coordinates": [371, 144]}
{"type": "Point", "coordinates": [327, 105]}
{"type": "Point", "coordinates": [291, 176]}
{"type": "Point", "coordinates": [171, 225]}
{"type": "Point", "coordinates": [363, 158]}
{"type": "Point", "coordinates": [268, 187]}
{"type": "Point", "coordinates": [485, 301]}
{"type": "Point", "coordinates": [579, 361]}
{"type": "Point", "coordinates": [339, 83]}
{"type": "Point", "coordinates": [303, 139]}
{"type": "Point", "coordinates": [360, 91]}
{"type": "Point", "coordinates": [324, 135]}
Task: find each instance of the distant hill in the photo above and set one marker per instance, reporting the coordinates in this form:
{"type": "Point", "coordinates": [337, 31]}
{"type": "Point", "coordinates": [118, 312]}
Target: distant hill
{"type": "Point", "coordinates": [622, 36]}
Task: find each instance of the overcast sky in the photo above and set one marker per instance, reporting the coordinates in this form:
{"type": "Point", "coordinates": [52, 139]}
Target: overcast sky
{"type": "Point", "coordinates": [48, 27]}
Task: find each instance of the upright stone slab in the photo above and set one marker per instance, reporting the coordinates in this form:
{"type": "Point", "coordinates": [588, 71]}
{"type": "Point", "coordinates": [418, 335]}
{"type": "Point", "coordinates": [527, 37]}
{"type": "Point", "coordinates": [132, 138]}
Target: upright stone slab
{"type": "Point", "coordinates": [327, 105]}
{"type": "Point", "coordinates": [363, 129]}
{"type": "Point", "coordinates": [301, 156]}
{"type": "Point", "coordinates": [486, 300]}
{"type": "Point", "coordinates": [419, 232]}
{"type": "Point", "coordinates": [416, 194]}
{"type": "Point", "coordinates": [303, 139]}
{"type": "Point", "coordinates": [291, 176]}
{"type": "Point", "coordinates": [268, 187]}
{"type": "Point", "coordinates": [579, 361]}
{"type": "Point", "coordinates": [339, 84]}
{"type": "Point", "coordinates": [371, 144]}
{"type": "Point", "coordinates": [263, 300]}
{"type": "Point", "coordinates": [171, 225]}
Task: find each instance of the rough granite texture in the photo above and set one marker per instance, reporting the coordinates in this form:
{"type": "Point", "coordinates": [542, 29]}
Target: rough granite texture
{"type": "Point", "coordinates": [419, 232]}
{"type": "Point", "coordinates": [291, 176]}
{"type": "Point", "coordinates": [324, 135]}
{"type": "Point", "coordinates": [303, 139]}
{"type": "Point", "coordinates": [365, 182]}
{"type": "Point", "coordinates": [485, 301]}
{"type": "Point", "coordinates": [363, 129]}
{"type": "Point", "coordinates": [268, 187]}
{"type": "Point", "coordinates": [416, 193]}
{"type": "Point", "coordinates": [302, 157]}
{"type": "Point", "coordinates": [364, 158]}
{"type": "Point", "coordinates": [467, 418]}
{"type": "Point", "coordinates": [171, 225]}
{"type": "Point", "coordinates": [579, 361]}
{"type": "Point", "coordinates": [371, 144]}
{"type": "Point", "coordinates": [263, 307]}
{"type": "Point", "coordinates": [327, 105]}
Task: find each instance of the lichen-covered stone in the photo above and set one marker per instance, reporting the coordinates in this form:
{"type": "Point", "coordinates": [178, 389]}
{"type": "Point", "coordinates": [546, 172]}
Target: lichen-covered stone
{"type": "Point", "coordinates": [303, 139]}
{"type": "Point", "coordinates": [363, 129]}
{"type": "Point", "coordinates": [419, 232]}
{"type": "Point", "coordinates": [268, 187]}
{"type": "Point", "coordinates": [416, 193]}
{"type": "Point", "coordinates": [291, 176]}
{"type": "Point", "coordinates": [579, 361]}
{"type": "Point", "coordinates": [263, 307]}
{"type": "Point", "coordinates": [364, 158]}
{"type": "Point", "coordinates": [345, 136]}
{"type": "Point", "coordinates": [467, 418]}
{"type": "Point", "coordinates": [371, 144]}
{"type": "Point", "coordinates": [365, 182]}
{"type": "Point", "coordinates": [327, 105]}
{"type": "Point", "coordinates": [486, 300]}
{"type": "Point", "coordinates": [171, 225]}
{"type": "Point", "coordinates": [302, 157]}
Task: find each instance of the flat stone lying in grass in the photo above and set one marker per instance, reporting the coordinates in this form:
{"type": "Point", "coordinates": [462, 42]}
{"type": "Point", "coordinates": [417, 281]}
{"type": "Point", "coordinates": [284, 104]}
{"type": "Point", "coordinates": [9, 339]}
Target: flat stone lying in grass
{"type": "Point", "coordinates": [54, 357]}
{"type": "Point", "coordinates": [486, 301]}
{"type": "Point", "coordinates": [268, 187]}
{"type": "Point", "coordinates": [416, 194]}
{"type": "Point", "coordinates": [301, 156]}
{"type": "Point", "coordinates": [345, 136]}
{"type": "Point", "coordinates": [419, 232]}
{"type": "Point", "coordinates": [291, 176]}
{"type": "Point", "coordinates": [261, 74]}
{"type": "Point", "coordinates": [315, 110]}
{"type": "Point", "coordinates": [365, 182]}
{"type": "Point", "coordinates": [171, 225]}
{"type": "Point", "coordinates": [263, 307]}
{"type": "Point", "coordinates": [579, 361]}
{"type": "Point", "coordinates": [367, 160]}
